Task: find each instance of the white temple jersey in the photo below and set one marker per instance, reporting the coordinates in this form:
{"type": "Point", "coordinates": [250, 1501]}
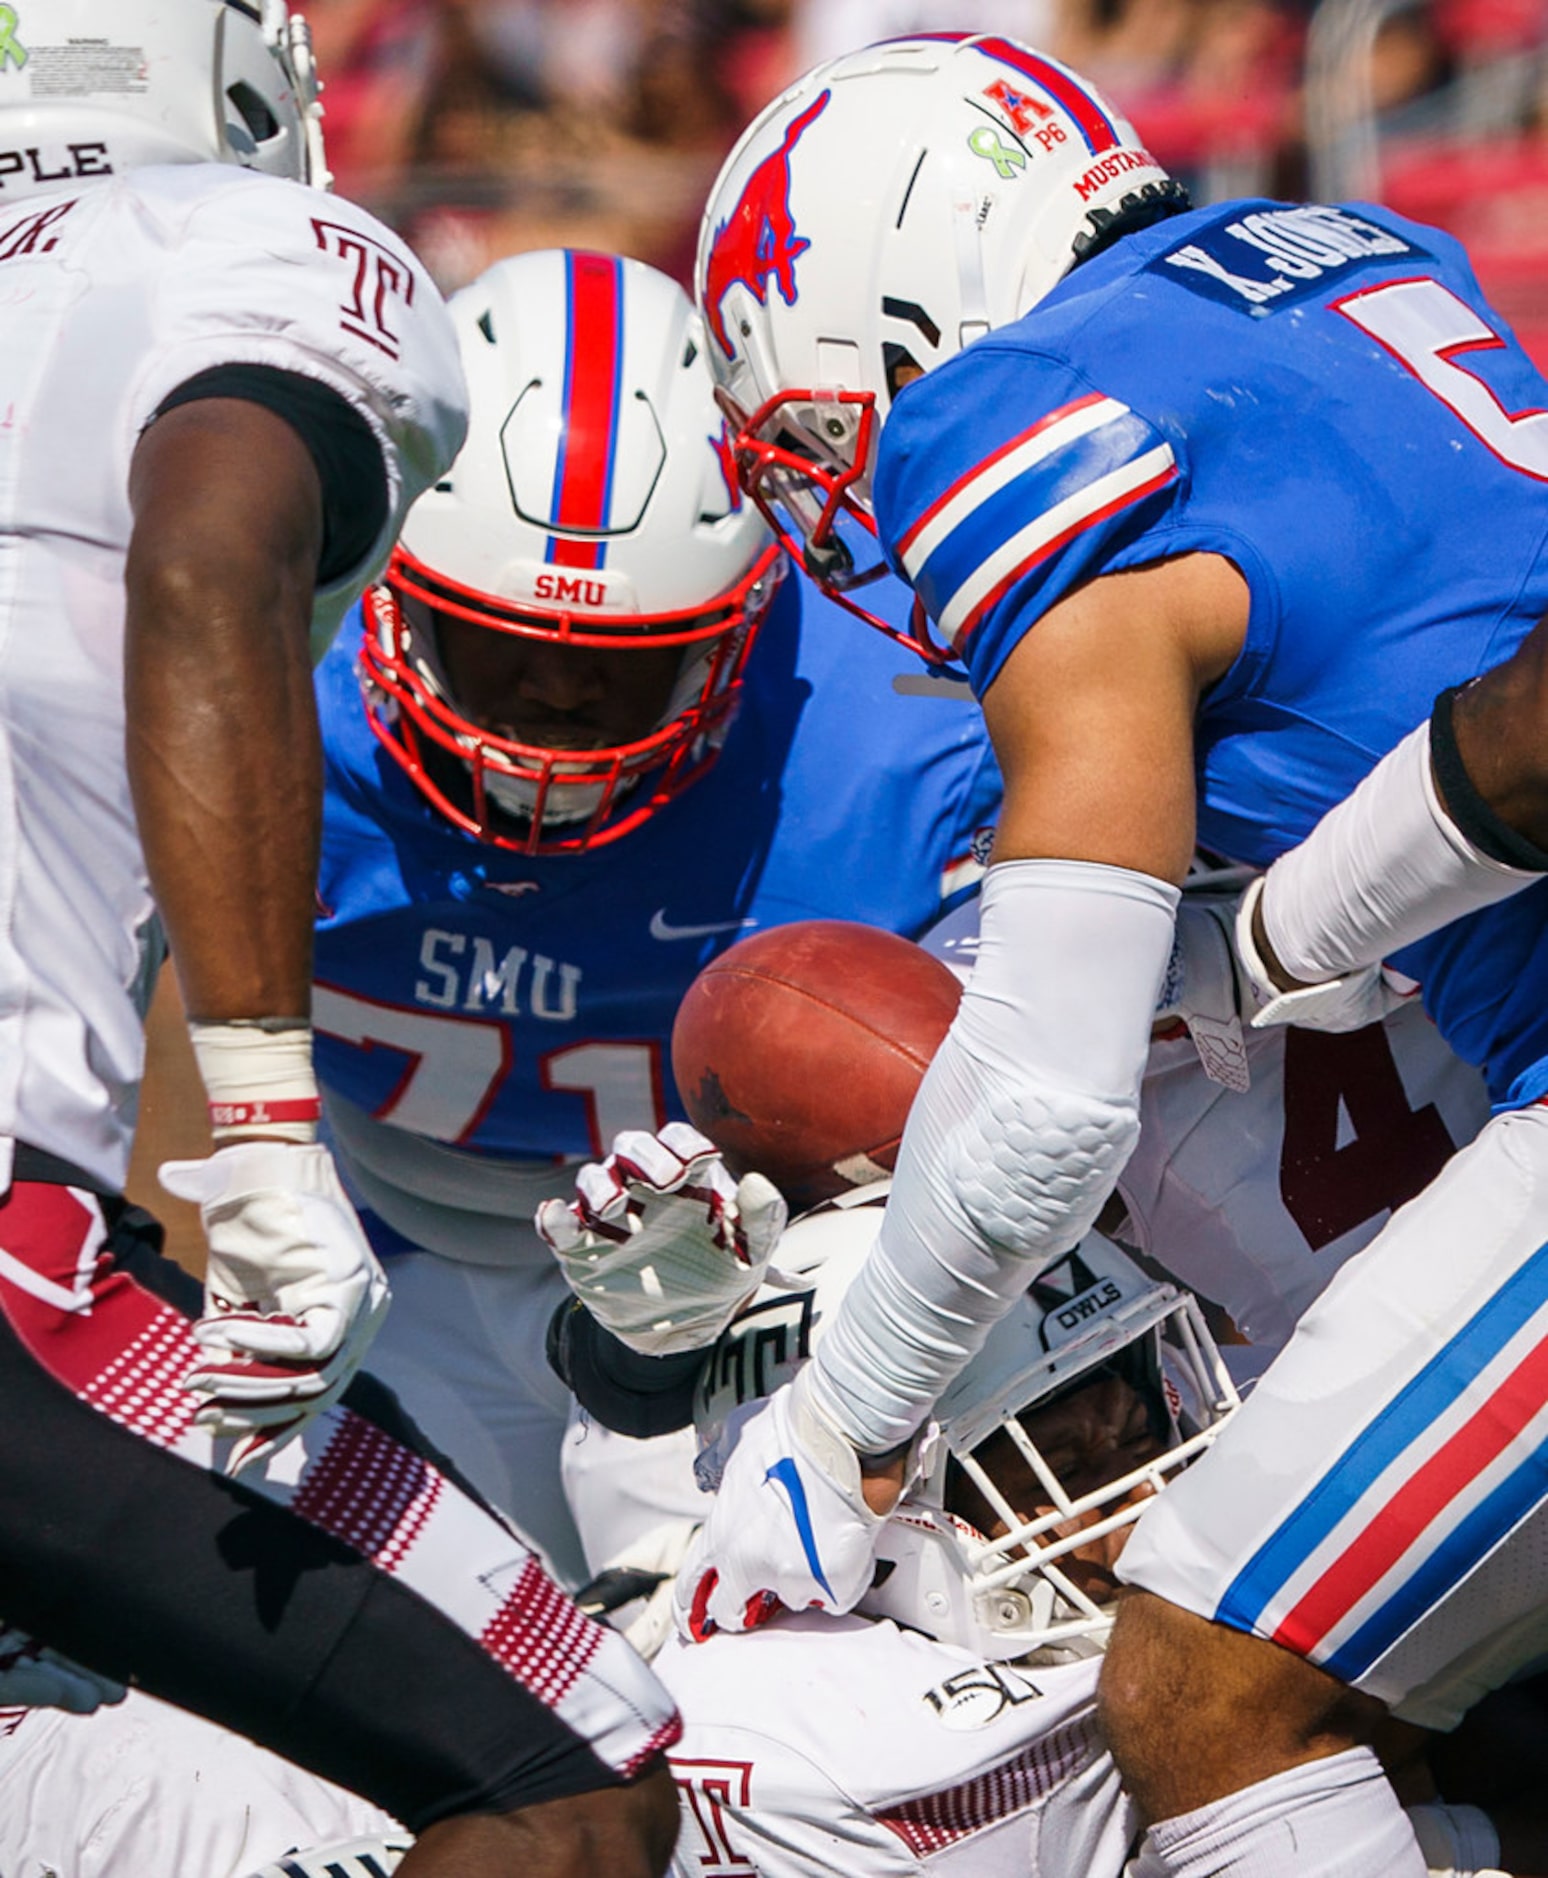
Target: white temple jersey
{"type": "Point", "coordinates": [1256, 1200]}
{"type": "Point", "coordinates": [826, 1745]}
{"type": "Point", "coordinates": [142, 1788]}
{"type": "Point", "coordinates": [115, 293]}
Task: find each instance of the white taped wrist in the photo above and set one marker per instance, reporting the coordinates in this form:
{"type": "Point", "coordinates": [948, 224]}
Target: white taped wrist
{"type": "Point", "coordinates": [259, 1082]}
{"type": "Point", "coordinates": [1385, 867]}
{"type": "Point", "coordinates": [1457, 1841]}
{"type": "Point", "coordinates": [1018, 1133]}
{"type": "Point", "coordinates": [826, 1446]}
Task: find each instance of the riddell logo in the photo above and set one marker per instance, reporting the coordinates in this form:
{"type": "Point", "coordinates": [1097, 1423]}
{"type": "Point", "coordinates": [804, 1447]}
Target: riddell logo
{"type": "Point", "coordinates": [758, 241]}
{"type": "Point", "coordinates": [570, 589]}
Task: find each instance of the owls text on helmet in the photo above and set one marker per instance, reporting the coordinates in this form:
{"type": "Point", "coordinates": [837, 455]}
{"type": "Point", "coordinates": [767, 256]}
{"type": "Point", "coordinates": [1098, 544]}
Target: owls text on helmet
{"type": "Point", "coordinates": [1093, 1318]}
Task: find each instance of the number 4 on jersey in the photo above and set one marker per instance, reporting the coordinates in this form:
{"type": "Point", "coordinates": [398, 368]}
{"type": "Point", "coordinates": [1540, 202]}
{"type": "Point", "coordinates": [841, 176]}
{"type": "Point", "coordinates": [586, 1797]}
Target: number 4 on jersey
{"type": "Point", "coordinates": [1349, 1081]}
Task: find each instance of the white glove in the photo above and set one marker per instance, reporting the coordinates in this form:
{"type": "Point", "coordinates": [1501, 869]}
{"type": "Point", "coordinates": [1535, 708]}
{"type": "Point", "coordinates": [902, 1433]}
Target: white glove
{"type": "Point", "coordinates": [34, 1676]}
{"type": "Point", "coordinates": [1351, 1002]}
{"type": "Point", "coordinates": [789, 1529]}
{"type": "Point", "coordinates": [293, 1294]}
{"type": "Point", "coordinates": [659, 1243]}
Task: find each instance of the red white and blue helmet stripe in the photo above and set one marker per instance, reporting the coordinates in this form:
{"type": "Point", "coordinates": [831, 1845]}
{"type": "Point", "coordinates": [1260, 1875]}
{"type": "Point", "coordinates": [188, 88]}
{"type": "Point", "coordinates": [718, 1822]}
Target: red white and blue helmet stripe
{"type": "Point", "coordinates": [588, 444]}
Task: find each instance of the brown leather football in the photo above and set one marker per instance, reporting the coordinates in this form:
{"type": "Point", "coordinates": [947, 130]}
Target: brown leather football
{"type": "Point", "coordinates": [798, 1051]}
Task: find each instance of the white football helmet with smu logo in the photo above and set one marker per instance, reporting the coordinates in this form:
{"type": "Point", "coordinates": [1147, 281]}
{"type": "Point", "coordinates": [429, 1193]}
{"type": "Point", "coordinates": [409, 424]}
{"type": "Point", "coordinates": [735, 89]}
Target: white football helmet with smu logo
{"type": "Point", "coordinates": [92, 87]}
{"type": "Point", "coordinates": [594, 505]}
{"type": "Point", "coordinates": [892, 206]}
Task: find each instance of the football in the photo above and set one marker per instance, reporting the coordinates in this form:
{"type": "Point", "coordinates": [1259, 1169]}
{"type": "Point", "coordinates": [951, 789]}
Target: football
{"type": "Point", "coordinates": [798, 1051]}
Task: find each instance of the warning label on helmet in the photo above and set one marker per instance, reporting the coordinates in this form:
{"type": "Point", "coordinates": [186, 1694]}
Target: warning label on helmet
{"type": "Point", "coordinates": [86, 68]}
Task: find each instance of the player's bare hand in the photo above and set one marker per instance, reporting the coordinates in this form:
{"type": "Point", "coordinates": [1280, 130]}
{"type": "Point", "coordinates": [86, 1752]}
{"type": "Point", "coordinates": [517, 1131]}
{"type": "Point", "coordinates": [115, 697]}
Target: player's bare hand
{"type": "Point", "coordinates": [660, 1243]}
{"type": "Point", "coordinates": [293, 1293]}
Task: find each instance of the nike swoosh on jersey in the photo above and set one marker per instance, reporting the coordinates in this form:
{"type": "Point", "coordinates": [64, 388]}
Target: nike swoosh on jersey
{"type": "Point", "coordinates": [660, 929]}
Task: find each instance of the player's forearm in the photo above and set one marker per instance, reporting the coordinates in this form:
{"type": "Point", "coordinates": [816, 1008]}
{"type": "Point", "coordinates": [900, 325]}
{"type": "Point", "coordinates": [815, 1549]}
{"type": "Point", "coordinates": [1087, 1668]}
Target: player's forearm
{"type": "Point", "coordinates": [226, 792]}
{"type": "Point", "coordinates": [1385, 867]}
{"type": "Point", "coordinates": [1015, 1140]}
{"type": "Point", "coordinates": [223, 749]}
{"type": "Point", "coordinates": [1500, 725]}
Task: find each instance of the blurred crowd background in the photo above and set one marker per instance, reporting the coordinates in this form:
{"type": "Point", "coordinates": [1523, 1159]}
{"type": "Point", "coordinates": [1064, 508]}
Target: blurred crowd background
{"type": "Point", "coordinates": [479, 128]}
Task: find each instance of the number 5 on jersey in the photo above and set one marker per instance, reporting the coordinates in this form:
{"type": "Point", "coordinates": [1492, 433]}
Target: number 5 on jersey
{"type": "Point", "coordinates": [1423, 325]}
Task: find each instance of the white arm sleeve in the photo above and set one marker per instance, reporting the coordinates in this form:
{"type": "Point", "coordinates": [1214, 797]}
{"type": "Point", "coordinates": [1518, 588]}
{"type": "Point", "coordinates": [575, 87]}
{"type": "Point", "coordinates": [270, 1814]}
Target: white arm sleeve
{"type": "Point", "coordinates": [1383, 868]}
{"type": "Point", "coordinates": [1015, 1139]}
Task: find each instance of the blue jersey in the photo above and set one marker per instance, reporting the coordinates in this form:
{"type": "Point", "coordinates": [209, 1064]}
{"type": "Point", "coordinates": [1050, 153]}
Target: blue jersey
{"type": "Point", "coordinates": [1321, 395]}
{"type": "Point", "coordinates": [523, 1007]}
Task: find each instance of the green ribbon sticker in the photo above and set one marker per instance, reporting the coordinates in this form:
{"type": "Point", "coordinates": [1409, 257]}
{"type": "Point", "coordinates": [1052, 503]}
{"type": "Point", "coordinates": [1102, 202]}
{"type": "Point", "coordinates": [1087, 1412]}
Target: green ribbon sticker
{"type": "Point", "coordinates": [12, 51]}
{"type": "Point", "coordinates": [984, 142]}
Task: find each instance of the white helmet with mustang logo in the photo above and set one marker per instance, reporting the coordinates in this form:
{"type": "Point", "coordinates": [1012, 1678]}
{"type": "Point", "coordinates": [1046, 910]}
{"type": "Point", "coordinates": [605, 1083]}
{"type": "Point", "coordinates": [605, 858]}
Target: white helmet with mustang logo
{"type": "Point", "coordinates": [892, 206]}
{"type": "Point", "coordinates": [93, 87]}
{"type": "Point", "coordinates": [1091, 1316]}
{"type": "Point", "coordinates": [594, 505]}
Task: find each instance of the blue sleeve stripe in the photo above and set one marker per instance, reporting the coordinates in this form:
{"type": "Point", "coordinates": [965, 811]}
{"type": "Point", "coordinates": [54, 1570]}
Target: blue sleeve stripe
{"type": "Point", "coordinates": [976, 485]}
{"type": "Point", "coordinates": [991, 575]}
